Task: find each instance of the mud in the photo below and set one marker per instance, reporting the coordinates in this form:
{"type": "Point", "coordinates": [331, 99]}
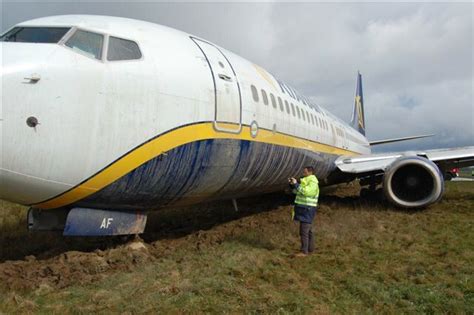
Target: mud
{"type": "Point", "coordinates": [53, 262]}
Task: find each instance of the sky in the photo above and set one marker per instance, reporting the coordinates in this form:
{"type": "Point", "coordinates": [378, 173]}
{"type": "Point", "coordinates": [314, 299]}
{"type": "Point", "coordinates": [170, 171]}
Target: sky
{"type": "Point", "coordinates": [416, 59]}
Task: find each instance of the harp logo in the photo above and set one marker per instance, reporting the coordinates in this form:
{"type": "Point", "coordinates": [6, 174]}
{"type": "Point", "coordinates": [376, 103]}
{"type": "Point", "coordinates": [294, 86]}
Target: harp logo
{"type": "Point", "coordinates": [360, 113]}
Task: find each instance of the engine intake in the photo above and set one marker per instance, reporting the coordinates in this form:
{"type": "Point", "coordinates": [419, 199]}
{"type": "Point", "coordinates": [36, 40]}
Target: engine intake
{"type": "Point", "coordinates": [413, 182]}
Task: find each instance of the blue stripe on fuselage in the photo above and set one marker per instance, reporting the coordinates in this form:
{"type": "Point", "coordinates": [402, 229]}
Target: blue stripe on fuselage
{"type": "Point", "coordinates": [207, 170]}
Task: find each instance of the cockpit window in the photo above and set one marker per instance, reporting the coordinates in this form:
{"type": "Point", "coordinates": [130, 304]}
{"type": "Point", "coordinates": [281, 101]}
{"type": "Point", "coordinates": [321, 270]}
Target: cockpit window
{"type": "Point", "coordinates": [49, 35]}
{"type": "Point", "coordinates": [87, 43]}
{"type": "Point", "coordinates": [122, 49]}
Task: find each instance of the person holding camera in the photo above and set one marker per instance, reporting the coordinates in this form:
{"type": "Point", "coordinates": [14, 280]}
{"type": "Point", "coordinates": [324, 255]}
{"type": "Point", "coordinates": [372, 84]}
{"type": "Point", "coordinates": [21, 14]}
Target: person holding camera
{"type": "Point", "coordinates": [304, 211]}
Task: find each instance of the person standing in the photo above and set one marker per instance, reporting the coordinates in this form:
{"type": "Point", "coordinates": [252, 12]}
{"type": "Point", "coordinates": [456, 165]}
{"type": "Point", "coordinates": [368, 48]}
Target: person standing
{"type": "Point", "coordinates": [304, 211]}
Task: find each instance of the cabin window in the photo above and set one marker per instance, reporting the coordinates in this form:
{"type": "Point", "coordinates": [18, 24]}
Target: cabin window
{"type": "Point", "coordinates": [272, 98]}
{"type": "Point", "coordinates": [307, 116]}
{"type": "Point", "coordinates": [264, 97]}
{"type": "Point", "coordinates": [302, 115]}
{"type": "Point", "coordinates": [43, 35]}
{"type": "Point", "coordinates": [122, 49]}
{"type": "Point", "coordinates": [287, 107]}
{"type": "Point", "coordinates": [293, 109]}
{"type": "Point", "coordinates": [87, 43]}
{"type": "Point", "coordinates": [280, 103]}
{"type": "Point", "coordinates": [254, 93]}
{"type": "Point", "coordinates": [312, 119]}
{"type": "Point", "coordinates": [298, 111]}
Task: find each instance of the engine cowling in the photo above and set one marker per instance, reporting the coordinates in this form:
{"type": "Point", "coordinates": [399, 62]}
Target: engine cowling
{"type": "Point", "coordinates": [413, 182]}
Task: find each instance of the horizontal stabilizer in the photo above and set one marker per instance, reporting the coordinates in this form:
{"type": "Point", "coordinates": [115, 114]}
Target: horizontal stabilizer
{"type": "Point", "coordinates": [399, 139]}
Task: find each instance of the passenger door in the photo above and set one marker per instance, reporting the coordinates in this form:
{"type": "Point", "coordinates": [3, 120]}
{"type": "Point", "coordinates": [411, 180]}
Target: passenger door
{"type": "Point", "coordinates": [228, 104]}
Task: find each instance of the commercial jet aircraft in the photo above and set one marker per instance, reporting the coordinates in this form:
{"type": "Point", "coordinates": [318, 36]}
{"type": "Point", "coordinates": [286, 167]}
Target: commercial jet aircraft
{"type": "Point", "coordinates": [104, 119]}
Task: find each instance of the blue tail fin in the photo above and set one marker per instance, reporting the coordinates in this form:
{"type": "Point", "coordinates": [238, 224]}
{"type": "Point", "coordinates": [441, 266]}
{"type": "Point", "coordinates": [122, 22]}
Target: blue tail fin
{"type": "Point", "coordinates": [358, 118]}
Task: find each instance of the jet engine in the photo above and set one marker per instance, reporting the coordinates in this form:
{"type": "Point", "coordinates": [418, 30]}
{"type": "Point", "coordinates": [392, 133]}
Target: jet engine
{"type": "Point", "coordinates": [413, 182]}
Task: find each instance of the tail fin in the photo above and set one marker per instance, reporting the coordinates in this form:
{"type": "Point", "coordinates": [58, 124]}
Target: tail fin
{"type": "Point", "coordinates": [358, 118]}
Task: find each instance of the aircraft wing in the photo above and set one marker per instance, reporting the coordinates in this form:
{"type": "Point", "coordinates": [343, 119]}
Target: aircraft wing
{"type": "Point", "coordinates": [385, 141]}
{"type": "Point", "coordinates": [374, 163]}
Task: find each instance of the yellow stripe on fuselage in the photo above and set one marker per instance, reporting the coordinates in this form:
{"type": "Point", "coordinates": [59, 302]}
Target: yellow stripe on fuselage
{"type": "Point", "coordinates": [171, 140]}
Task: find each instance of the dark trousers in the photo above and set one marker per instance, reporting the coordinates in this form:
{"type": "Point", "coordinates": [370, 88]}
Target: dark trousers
{"type": "Point", "coordinates": [307, 238]}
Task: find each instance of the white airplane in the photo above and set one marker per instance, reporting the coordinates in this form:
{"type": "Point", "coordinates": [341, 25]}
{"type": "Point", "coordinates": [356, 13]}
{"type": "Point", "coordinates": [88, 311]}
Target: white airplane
{"type": "Point", "coordinates": [106, 118]}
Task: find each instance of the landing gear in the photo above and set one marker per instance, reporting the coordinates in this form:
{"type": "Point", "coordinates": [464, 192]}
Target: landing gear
{"type": "Point", "coordinates": [448, 176]}
{"type": "Point", "coordinates": [364, 193]}
{"type": "Point", "coordinates": [370, 190]}
{"type": "Point", "coordinates": [376, 194]}
{"type": "Point", "coordinates": [234, 203]}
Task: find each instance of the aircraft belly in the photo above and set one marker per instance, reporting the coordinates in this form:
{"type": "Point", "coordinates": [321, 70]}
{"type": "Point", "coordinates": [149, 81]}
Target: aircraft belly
{"type": "Point", "coordinates": [208, 170]}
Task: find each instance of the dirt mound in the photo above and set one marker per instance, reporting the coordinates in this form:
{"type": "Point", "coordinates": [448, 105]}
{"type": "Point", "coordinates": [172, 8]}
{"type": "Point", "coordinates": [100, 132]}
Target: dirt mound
{"type": "Point", "coordinates": [75, 267]}
{"type": "Point", "coordinates": [71, 267]}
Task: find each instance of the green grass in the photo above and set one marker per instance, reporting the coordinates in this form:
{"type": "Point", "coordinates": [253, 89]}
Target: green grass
{"type": "Point", "coordinates": [370, 258]}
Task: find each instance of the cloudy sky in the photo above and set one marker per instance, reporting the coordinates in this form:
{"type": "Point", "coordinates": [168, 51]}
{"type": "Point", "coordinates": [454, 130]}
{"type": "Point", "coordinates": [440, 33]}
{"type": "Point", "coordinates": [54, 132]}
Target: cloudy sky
{"type": "Point", "coordinates": [416, 58]}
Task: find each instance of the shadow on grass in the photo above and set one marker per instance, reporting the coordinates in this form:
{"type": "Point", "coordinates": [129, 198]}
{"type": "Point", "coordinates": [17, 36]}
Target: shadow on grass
{"type": "Point", "coordinates": [252, 240]}
{"type": "Point", "coordinates": [370, 203]}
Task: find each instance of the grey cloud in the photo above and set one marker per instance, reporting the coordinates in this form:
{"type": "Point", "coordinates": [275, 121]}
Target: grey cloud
{"type": "Point", "coordinates": [419, 51]}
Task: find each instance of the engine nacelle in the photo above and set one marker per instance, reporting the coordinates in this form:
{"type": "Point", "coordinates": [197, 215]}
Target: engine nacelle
{"type": "Point", "coordinates": [413, 182]}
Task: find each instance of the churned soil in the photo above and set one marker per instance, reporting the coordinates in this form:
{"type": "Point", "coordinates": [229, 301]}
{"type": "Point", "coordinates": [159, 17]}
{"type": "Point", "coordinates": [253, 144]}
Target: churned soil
{"type": "Point", "coordinates": [50, 260]}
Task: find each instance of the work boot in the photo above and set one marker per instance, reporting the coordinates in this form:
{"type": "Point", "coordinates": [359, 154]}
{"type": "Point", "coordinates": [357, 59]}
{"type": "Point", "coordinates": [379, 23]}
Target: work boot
{"type": "Point", "coordinates": [301, 254]}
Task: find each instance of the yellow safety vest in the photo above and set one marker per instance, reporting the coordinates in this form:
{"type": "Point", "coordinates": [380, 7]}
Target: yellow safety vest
{"type": "Point", "coordinates": [307, 192]}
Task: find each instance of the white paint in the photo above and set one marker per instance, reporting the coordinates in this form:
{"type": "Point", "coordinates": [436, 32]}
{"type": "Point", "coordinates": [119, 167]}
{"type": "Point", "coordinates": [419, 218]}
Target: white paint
{"type": "Point", "coordinates": [106, 222]}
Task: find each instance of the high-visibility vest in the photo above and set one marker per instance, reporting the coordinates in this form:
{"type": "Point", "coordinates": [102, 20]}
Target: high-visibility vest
{"type": "Point", "coordinates": [307, 192]}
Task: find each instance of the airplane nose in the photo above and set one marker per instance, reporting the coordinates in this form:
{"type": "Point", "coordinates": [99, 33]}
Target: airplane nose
{"type": "Point", "coordinates": [21, 141]}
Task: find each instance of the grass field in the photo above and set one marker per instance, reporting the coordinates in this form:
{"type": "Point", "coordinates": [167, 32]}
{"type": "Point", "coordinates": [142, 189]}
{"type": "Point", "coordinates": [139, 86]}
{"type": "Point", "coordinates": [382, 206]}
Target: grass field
{"type": "Point", "coordinates": [370, 258]}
